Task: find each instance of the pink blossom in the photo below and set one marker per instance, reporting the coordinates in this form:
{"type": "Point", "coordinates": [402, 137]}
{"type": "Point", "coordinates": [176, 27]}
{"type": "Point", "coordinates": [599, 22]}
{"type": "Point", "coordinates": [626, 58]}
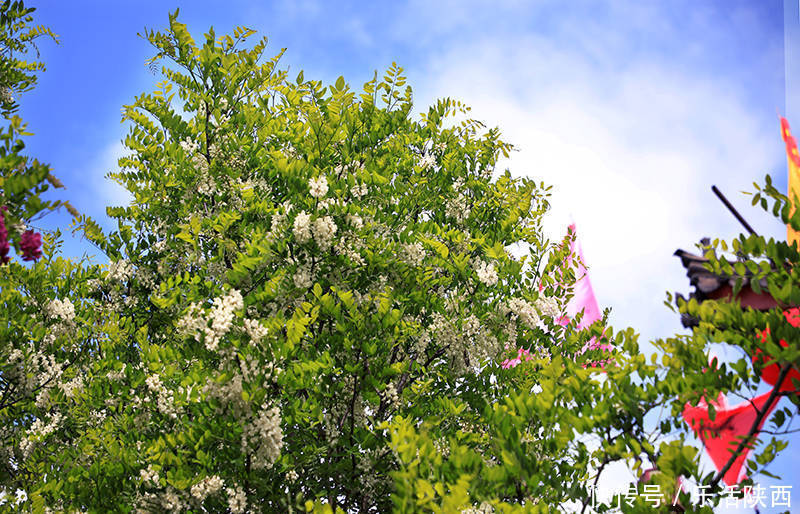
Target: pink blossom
{"type": "Point", "coordinates": [511, 363]}
{"type": "Point", "coordinates": [594, 344]}
{"type": "Point", "coordinates": [4, 246]}
{"type": "Point", "coordinates": [31, 245]}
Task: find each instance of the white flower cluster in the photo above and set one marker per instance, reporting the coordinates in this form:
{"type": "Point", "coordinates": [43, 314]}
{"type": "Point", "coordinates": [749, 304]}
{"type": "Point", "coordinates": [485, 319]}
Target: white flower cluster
{"type": "Point", "coordinates": [359, 190]}
{"type": "Point", "coordinates": [421, 343]}
{"type": "Point", "coordinates": [292, 476]}
{"type": "Point", "coordinates": [146, 277]}
{"type": "Point", "coordinates": [171, 502]}
{"type": "Point", "coordinates": [5, 95]}
{"type": "Point", "coordinates": [355, 221]}
{"type": "Point", "coordinates": [255, 330]}
{"type": "Point", "coordinates": [367, 478]}
{"type": "Point", "coordinates": [326, 204]}
{"type": "Point", "coordinates": [547, 306]}
{"type": "Point", "coordinates": [208, 486]}
{"type": "Point", "coordinates": [165, 399]}
{"type": "Point", "coordinates": [214, 151]}
{"type": "Point", "coordinates": [479, 343]}
{"type": "Point", "coordinates": [302, 277]}
{"type": "Point", "coordinates": [252, 368]}
{"type": "Point", "coordinates": [20, 497]}
{"type": "Point", "coordinates": [237, 500]}
{"type": "Point", "coordinates": [149, 475]}
{"type": "Point", "coordinates": [427, 161]}
{"type": "Point", "coordinates": [221, 315]}
{"type": "Point", "coordinates": [42, 399]}
{"type": "Point", "coordinates": [351, 251]}
{"type": "Point", "coordinates": [61, 309]}
{"type": "Point", "coordinates": [189, 146]}
{"type": "Point", "coordinates": [97, 417]}
{"type": "Point", "coordinates": [205, 182]}
{"type": "Point", "coordinates": [524, 310]}
{"type": "Point", "coordinates": [414, 253]}
{"type": "Point", "coordinates": [276, 225]}
{"type": "Point", "coordinates": [391, 396]}
{"type": "Point", "coordinates": [257, 183]}
{"type": "Point", "coordinates": [457, 208]}
{"type": "Point", "coordinates": [324, 229]}
{"type": "Point", "coordinates": [264, 436]}
{"type": "Point", "coordinates": [38, 431]}
{"type": "Point", "coordinates": [302, 227]}
{"type": "Point", "coordinates": [192, 323]}
{"type": "Point", "coordinates": [442, 447]}
{"type": "Point", "coordinates": [443, 330]}
{"type": "Point", "coordinates": [200, 162]}
{"type": "Point", "coordinates": [73, 387]}
{"type": "Point", "coordinates": [229, 394]}
{"type": "Point", "coordinates": [486, 272]}
{"type": "Point", "coordinates": [330, 422]}
{"type": "Point", "coordinates": [32, 372]}
{"type": "Point", "coordinates": [483, 508]}
{"type": "Point", "coordinates": [318, 187]}
{"type": "Point", "coordinates": [120, 270]}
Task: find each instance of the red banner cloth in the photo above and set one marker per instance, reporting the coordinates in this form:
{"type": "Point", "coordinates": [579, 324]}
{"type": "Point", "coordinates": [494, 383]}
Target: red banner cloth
{"type": "Point", "coordinates": [770, 373]}
{"type": "Point", "coordinates": [722, 436]}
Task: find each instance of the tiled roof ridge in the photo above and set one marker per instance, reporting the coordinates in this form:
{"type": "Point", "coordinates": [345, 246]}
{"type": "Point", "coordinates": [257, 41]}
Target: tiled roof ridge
{"type": "Point", "coordinates": [706, 282]}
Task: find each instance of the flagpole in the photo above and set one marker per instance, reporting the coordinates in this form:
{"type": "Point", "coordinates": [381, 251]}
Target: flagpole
{"type": "Point", "coordinates": [733, 210]}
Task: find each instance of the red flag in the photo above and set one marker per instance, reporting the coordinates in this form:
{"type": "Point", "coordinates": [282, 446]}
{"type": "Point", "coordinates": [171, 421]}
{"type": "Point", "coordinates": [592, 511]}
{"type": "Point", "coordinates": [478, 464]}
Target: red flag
{"type": "Point", "coordinates": [771, 373]}
{"type": "Point", "coordinates": [723, 435]}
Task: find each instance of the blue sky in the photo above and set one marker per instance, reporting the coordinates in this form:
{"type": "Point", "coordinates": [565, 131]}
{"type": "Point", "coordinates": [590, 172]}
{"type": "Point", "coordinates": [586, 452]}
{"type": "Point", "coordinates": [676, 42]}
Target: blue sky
{"type": "Point", "coordinates": [630, 111]}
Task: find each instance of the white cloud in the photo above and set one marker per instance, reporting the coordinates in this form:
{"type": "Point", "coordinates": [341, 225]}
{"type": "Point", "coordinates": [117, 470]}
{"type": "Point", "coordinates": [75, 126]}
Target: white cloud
{"type": "Point", "coordinates": [632, 153]}
{"type": "Point", "coordinates": [101, 191]}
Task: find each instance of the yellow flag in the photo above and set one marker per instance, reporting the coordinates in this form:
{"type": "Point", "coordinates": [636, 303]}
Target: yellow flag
{"type": "Point", "coordinates": [793, 157]}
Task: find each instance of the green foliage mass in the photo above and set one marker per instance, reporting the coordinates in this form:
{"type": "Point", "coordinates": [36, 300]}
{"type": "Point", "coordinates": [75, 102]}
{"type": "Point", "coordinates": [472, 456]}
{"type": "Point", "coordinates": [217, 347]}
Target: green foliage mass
{"type": "Point", "coordinates": [306, 308]}
{"type": "Point", "coordinates": [23, 179]}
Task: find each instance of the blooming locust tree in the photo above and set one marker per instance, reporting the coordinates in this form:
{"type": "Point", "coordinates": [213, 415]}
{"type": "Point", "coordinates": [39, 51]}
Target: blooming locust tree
{"type": "Point", "coordinates": [299, 265]}
{"type": "Point", "coordinates": [307, 305]}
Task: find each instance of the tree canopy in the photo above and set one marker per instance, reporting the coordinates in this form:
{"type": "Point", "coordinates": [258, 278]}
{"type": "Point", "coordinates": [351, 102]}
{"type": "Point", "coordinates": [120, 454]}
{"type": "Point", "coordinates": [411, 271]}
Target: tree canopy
{"type": "Point", "coordinates": [306, 307]}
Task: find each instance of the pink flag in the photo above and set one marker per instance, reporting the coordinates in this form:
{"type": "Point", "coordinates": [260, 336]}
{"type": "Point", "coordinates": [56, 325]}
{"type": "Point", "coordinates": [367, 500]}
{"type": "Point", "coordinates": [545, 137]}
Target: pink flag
{"type": "Point", "coordinates": [583, 298]}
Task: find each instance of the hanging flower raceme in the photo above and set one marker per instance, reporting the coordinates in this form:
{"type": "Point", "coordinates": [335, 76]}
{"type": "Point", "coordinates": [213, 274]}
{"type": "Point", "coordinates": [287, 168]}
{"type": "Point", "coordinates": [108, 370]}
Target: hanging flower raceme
{"type": "Point", "coordinates": [31, 245]}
